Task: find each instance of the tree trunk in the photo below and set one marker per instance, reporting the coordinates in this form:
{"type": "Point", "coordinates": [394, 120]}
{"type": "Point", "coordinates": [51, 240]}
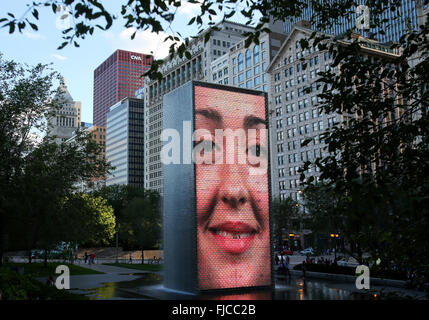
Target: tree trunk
{"type": "Point", "coordinates": [45, 262]}
{"type": "Point", "coordinates": [359, 252]}
{"type": "Point", "coordinates": [1, 245]}
{"type": "Point", "coordinates": [2, 238]}
{"type": "Point", "coordinates": [142, 257]}
{"type": "Point", "coordinates": [29, 256]}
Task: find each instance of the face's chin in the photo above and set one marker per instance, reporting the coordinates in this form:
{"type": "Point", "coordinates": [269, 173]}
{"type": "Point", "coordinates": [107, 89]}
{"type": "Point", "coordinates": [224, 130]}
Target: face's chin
{"type": "Point", "coordinates": [233, 253]}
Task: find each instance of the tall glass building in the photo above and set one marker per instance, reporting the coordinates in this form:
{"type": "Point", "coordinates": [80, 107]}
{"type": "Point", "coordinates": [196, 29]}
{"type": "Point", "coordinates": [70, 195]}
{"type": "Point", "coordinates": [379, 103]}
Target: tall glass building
{"type": "Point", "coordinates": [118, 77]}
{"type": "Point", "coordinates": [124, 142]}
{"type": "Point", "coordinates": [396, 25]}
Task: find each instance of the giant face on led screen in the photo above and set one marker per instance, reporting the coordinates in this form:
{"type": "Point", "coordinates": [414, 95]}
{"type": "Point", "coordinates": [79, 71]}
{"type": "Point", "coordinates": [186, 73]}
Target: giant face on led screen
{"type": "Point", "coordinates": [231, 172]}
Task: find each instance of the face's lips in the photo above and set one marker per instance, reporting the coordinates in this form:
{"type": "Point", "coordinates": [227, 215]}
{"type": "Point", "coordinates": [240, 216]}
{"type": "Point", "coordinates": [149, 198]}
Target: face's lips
{"type": "Point", "coordinates": [233, 237]}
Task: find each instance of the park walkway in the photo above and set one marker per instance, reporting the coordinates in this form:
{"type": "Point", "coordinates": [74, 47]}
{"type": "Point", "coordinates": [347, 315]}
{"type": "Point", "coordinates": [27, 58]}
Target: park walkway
{"type": "Point", "coordinates": [92, 284]}
{"type": "Point", "coordinates": [111, 270]}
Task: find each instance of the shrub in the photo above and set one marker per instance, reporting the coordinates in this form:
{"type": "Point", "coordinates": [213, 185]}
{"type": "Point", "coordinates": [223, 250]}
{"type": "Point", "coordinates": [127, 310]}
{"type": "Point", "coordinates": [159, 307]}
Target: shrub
{"type": "Point", "coordinates": [15, 286]}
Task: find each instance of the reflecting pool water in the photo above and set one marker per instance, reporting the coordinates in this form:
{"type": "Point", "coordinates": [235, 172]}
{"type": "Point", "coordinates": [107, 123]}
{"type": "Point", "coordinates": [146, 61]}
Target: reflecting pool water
{"type": "Point", "coordinates": [149, 286]}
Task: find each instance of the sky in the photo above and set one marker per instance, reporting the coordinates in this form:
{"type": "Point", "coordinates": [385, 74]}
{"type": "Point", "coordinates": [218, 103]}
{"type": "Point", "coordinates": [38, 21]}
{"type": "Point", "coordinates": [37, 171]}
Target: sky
{"type": "Point", "coordinates": [77, 64]}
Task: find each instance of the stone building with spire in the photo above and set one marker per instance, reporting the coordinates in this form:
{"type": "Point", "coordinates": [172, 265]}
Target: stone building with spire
{"type": "Point", "coordinates": [66, 119]}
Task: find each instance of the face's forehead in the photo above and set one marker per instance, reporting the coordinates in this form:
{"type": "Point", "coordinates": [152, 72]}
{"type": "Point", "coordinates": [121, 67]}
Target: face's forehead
{"type": "Point", "coordinates": [229, 104]}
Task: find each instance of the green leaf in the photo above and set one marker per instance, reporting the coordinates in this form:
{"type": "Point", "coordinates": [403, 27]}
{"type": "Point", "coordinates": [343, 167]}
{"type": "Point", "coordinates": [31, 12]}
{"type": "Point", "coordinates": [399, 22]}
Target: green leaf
{"type": "Point", "coordinates": [36, 14]}
{"type": "Point", "coordinates": [33, 26]}
{"type": "Point", "coordinates": [11, 27]}
{"type": "Point", "coordinates": [191, 21]}
{"type": "Point", "coordinates": [62, 45]}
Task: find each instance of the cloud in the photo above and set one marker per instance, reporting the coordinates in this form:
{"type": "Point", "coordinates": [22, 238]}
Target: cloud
{"type": "Point", "coordinates": [190, 9]}
{"type": "Point", "coordinates": [33, 35]}
{"type": "Point", "coordinates": [145, 42]}
{"type": "Point", "coordinates": [59, 57]}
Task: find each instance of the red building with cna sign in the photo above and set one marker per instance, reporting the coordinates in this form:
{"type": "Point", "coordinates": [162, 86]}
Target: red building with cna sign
{"type": "Point", "coordinates": [119, 76]}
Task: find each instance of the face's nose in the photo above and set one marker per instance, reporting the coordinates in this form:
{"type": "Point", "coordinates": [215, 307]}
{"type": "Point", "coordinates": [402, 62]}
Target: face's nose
{"type": "Point", "coordinates": [233, 190]}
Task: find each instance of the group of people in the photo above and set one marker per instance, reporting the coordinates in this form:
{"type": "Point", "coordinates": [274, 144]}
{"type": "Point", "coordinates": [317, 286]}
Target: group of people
{"type": "Point", "coordinates": [89, 258]}
{"type": "Point", "coordinates": [320, 260]}
{"type": "Point", "coordinates": [283, 264]}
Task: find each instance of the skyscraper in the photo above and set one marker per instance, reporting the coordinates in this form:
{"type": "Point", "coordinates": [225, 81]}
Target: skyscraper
{"type": "Point", "coordinates": [294, 104]}
{"type": "Point", "coordinates": [394, 25]}
{"type": "Point", "coordinates": [125, 142]}
{"type": "Point", "coordinates": [118, 77]}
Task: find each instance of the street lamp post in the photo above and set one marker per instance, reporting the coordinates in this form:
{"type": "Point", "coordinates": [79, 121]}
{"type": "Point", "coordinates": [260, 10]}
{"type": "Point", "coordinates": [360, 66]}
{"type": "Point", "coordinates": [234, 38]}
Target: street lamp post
{"type": "Point", "coordinates": [117, 246]}
{"type": "Point", "coordinates": [335, 236]}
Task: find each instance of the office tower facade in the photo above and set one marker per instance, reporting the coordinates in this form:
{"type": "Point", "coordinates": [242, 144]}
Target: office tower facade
{"type": "Point", "coordinates": [395, 24]}
{"type": "Point", "coordinates": [125, 142]}
{"type": "Point", "coordinates": [246, 67]}
{"type": "Point", "coordinates": [118, 77]}
{"type": "Point", "coordinates": [98, 134]}
{"type": "Point", "coordinates": [66, 119]}
{"type": "Point", "coordinates": [176, 72]}
{"type": "Point", "coordinates": [294, 111]}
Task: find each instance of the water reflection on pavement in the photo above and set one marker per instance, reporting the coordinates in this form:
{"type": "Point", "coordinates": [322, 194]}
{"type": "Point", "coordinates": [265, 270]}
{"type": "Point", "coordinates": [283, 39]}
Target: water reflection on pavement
{"type": "Point", "coordinates": [149, 286]}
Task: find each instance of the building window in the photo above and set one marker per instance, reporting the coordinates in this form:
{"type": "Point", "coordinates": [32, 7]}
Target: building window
{"type": "Point", "coordinates": [256, 54]}
{"type": "Point", "coordinates": [240, 62]}
{"type": "Point", "coordinates": [256, 70]}
{"type": "Point", "coordinates": [248, 58]}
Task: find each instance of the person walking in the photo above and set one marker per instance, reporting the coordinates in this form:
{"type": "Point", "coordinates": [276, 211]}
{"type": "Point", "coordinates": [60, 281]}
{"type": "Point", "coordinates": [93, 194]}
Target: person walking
{"type": "Point", "coordinates": [276, 259]}
{"type": "Point", "coordinates": [286, 267]}
{"type": "Point", "coordinates": [91, 258]}
{"type": "Point", "coordinates": [86, 257]}
{"type": "Point", "coordinates": [131, 258]}
{"type": "Point", "coordinates": [304, 269]}
{"type": "Point", "coordinates": [50, 281]}
{"type": "Point", "coordinates": [281, 268]}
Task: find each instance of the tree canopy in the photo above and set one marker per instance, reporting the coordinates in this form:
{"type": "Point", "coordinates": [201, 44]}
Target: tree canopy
{"type": "Point", "coordinates": [36, 175]}
{"type": "Point", "coordinates": [157, 16]}
{"type": "Point", "coordinates": [138, 215]}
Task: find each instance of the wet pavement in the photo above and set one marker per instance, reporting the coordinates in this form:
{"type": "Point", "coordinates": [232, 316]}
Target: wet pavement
{"type": "Point", "coordinates": [144, 285]}
{"type": "Point", "coordinates": [122, 283]}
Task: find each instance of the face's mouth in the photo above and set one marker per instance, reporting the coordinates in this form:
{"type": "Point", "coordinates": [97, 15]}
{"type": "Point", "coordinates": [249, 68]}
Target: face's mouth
{"type": "Point", "coordinates": [233, 237]}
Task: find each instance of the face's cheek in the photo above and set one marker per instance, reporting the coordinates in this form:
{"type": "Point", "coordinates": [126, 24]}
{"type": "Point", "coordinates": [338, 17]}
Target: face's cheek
{"type": "Point", "coordinates": [207, 182]}
{"type": "Point", "coordinates": [258, 187]}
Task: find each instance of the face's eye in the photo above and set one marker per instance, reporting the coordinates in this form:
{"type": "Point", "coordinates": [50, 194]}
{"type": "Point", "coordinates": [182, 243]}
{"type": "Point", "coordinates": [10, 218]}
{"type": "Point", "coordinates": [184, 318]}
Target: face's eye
{"type": "Point", "coordinates": [256, 150]}
{"type": "Point", "coordinates": [206, 145]}
{"type": "Point", "coordinates": [205, 152]}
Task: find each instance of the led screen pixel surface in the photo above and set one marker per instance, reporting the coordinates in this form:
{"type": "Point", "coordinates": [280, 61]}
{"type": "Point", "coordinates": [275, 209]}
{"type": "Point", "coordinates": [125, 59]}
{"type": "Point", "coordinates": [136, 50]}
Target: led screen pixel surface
{"type": "Point", "coordinates": [232, 196]}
